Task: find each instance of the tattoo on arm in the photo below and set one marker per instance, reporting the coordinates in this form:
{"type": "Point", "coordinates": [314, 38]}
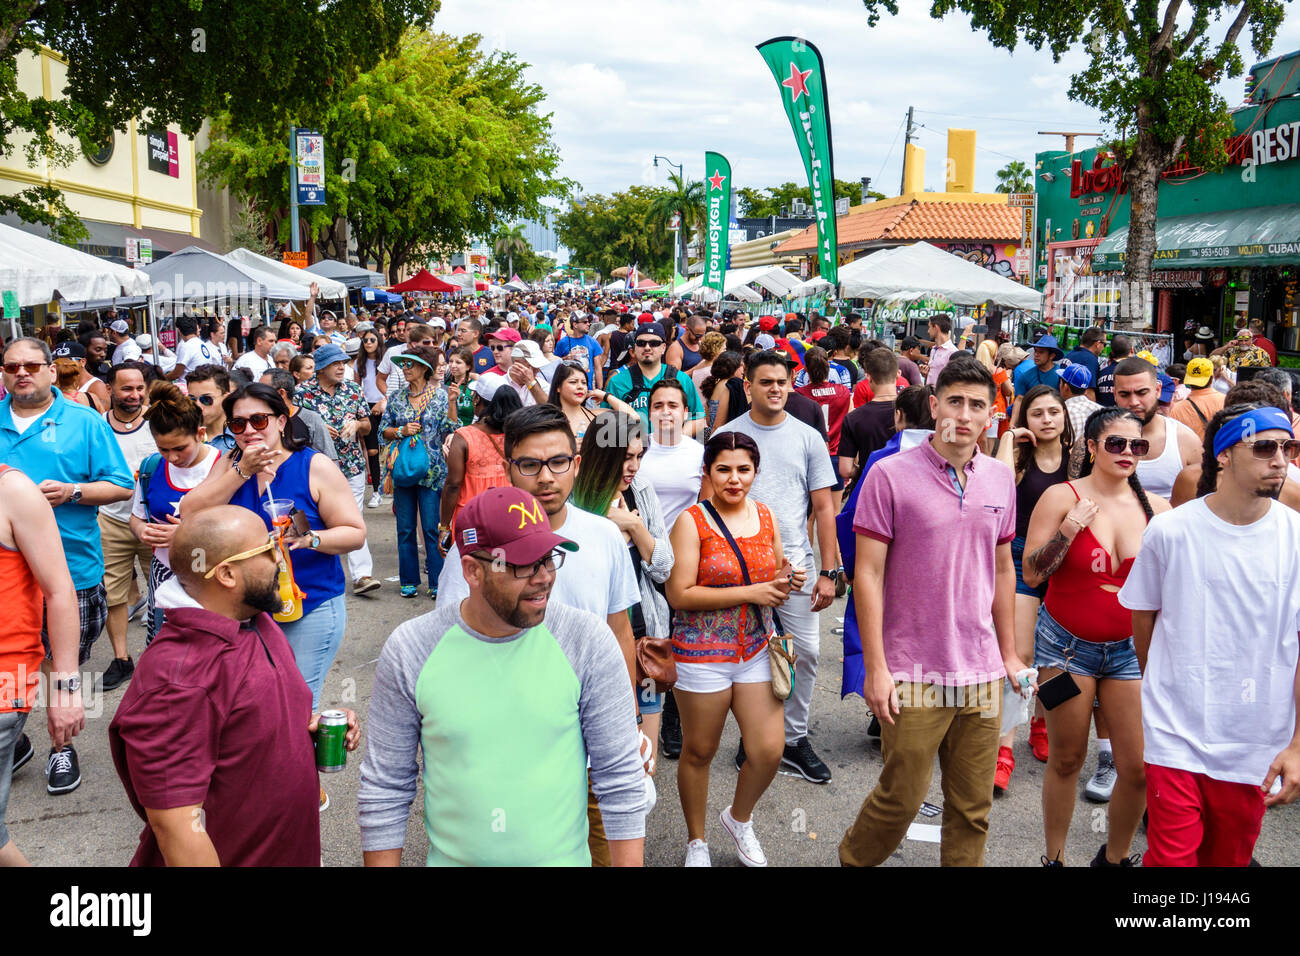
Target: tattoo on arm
{"type": "Point", "coordinates": [1049, 557]}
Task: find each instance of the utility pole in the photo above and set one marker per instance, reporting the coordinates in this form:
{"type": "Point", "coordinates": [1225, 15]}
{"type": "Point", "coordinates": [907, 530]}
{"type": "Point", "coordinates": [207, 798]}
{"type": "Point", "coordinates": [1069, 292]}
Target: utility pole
{"type": "Point", "coordinates": [295, 241]}
{"type": "Point", "coordinates": [1069, 137]}
{"type": "Point", "coordinates": [907, 138]}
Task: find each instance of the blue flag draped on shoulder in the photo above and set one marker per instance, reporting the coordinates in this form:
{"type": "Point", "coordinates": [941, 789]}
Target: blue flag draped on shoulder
{"type": "Point", "coordinates": [797, 66]}
{"type": "Point", "coordinates": [717, 191]}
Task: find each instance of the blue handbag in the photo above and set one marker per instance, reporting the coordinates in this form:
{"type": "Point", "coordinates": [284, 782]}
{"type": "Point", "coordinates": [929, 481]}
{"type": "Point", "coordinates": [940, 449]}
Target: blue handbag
{"type": "Point", "coordinates": [412, 464]}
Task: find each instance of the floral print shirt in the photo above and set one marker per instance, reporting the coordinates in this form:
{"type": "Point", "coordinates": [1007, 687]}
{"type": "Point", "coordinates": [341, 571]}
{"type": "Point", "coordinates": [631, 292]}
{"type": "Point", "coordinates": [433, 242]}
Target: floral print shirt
{"type": "Point", "coordinates": [435, 426]}
{"type": "Point", "coordinates": [346, 403]}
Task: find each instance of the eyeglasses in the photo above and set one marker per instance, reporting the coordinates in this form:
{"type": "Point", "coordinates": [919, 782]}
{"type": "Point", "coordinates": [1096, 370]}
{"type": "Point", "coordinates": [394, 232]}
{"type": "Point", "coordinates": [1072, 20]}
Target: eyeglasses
{"type": "Point", "coordinates": [532, 466]}
{"type": "Point", "coordinates": [1265, 448]}
{"type": "Point", "coordinates": [243, 555]}
{"type": "Point", "coordinates": [552, 562]}
{"type": "Point", "coordinates": [258, 421]}
{"type": "Point", "coordinates": [649, 343]}
{"type": "Point", "coordinates": [31, 368]}
{"type": "Point", "coordinates": [205, 400]}
{"type": "Point", "coordinates": [1115, 444]}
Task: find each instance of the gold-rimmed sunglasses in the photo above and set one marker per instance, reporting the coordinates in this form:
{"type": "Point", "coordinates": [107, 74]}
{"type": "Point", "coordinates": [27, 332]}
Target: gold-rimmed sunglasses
{"type": "Point", "coordinates": [242, 556]}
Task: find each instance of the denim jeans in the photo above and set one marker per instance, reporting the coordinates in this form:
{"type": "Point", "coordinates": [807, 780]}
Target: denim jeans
{"type": "Point", "coordinates": [417, 505]}
{"type": "Point", "coordinates": [11, 730]}
{"type": "Point", "coordinates": [314, 639]}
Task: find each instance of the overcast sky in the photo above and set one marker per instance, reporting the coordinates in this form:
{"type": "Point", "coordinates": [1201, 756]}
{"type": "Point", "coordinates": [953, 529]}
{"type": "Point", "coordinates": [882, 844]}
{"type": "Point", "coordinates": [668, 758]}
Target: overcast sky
{"type": "Point", "coordinates": [626, 80]}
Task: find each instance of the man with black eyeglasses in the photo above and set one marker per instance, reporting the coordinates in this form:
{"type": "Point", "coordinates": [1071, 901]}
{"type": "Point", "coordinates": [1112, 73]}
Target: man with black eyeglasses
{"type": "Point", "coordinates": [507, 693]}
{"type": "Point", "coordinates": [633, 383]}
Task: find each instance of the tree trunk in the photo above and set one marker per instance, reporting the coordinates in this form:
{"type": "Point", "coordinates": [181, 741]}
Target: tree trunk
{"type": "Point", "coordinates": [1142, 176]}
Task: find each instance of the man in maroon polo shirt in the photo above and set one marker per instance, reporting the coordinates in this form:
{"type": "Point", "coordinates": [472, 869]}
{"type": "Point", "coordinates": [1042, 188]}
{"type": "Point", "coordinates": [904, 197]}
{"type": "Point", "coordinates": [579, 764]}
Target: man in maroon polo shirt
{"type": "Point", "coordinates": [941, 512]}
{"type": "Point", "coordinates": [212, 740]}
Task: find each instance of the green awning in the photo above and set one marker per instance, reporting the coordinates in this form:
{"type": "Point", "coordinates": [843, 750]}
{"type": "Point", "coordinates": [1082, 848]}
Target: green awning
{"type": "Point", "coordinates": [1261, 236]}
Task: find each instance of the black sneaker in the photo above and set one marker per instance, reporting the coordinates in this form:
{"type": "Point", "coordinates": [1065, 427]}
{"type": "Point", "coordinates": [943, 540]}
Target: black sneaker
{"type": "Point", "coordinates": [63, 771]}
{"type": "Point", "coordinates": [873, 728]}
{"type": "Point", "coordinates": [740, 755]}
{"type": "Point", "coordinates": [800, 758]}
{"type": "Point", "coordinates": [23, 752]}
{"type": "Point", "coordinates": [1057, 862]}
{"type": "Point", "coordinates": [117, 673]}
{"type": "Point", "coordinates": [670, 732]}
{"type": "Point", "coordinates": [1100, 859]}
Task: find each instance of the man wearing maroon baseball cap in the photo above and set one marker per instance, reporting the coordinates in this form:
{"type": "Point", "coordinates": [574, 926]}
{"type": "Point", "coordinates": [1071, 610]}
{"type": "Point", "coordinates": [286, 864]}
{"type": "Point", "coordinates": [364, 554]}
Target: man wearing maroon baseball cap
{"type": "Point", "coordinates": [484, 689]}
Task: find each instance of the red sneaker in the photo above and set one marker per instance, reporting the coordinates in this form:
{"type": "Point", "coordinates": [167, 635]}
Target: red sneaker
{"type": "Point", "coordinates": [1006, 764]}
{"type": "Point", "coordinates": [1038, 738]}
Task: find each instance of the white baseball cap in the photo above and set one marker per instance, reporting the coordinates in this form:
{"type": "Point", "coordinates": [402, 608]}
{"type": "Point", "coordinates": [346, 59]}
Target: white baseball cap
{"type": "Point", "coordinates": [530, 352]}
{"type": "Point", "coordinates": [120, 327]}
{"type": "Point", "coordinates": [485, 386]}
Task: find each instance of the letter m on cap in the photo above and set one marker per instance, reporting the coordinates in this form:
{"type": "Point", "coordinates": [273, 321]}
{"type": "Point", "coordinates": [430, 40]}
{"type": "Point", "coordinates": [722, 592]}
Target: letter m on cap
{"type": "Point", "coordinates": [527, 517]}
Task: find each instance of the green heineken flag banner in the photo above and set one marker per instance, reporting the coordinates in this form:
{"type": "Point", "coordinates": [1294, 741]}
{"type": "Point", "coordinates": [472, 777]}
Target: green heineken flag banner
{"type": "Point", "coordinates": [797, 66]}
{"type": "Point", "coordinates": [717, 190]}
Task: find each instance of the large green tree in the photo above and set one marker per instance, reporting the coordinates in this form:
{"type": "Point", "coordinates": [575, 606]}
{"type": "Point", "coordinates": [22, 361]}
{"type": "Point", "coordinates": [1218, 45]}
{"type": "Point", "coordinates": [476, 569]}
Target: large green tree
{"type": "Point", "coordinates": [176, 62]}
{"type": "Point", "coordinates": [1151, 73]}
{"type": "Point", "coordinates": [1014, 177]}
{"type": "Point", "coordinates": [608, 232]}
{"type": "Point", "coordinates": [761, 203]}
{"type": "Point", "coordinates": [437, 143]}
{"type": "Point", "coordinates": [684, 198]}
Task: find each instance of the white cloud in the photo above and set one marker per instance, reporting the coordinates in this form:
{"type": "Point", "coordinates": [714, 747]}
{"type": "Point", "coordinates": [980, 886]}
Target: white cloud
{"type": "Point", "coordinates": [627, 80]}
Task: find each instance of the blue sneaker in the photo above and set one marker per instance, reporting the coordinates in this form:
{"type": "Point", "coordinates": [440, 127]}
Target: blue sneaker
{"type": "Point", "coordinates": [432, 592]}
{"type": "Point", "coordinates": [408, 590]}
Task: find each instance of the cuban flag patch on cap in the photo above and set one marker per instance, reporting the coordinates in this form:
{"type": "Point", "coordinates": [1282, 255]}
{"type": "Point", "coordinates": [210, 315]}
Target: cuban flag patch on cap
{"type": "Point", "coordinates": [470, 536]}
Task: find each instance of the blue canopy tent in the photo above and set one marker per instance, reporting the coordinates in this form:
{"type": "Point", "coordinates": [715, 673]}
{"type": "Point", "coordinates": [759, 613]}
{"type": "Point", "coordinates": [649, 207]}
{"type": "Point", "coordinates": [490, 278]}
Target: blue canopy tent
{"type": "Point", "coordinates": [378, 297]}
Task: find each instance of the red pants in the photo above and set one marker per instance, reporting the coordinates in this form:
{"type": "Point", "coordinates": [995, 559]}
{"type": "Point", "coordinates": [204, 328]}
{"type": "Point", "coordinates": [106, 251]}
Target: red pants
{"type": "Point", "coordinates": [1194, 820]}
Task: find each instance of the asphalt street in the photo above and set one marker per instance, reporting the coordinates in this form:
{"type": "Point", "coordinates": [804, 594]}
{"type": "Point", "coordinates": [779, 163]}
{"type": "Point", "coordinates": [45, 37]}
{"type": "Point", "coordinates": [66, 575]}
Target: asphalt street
{"type": "Point", "coordinates": [798, 823]}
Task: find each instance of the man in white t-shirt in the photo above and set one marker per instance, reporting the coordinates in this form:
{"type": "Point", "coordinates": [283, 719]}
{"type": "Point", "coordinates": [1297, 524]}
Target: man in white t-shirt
{"type": "Point", "coordinates": [193, 350]}
{"type": "Point", "coordinates": [124, 347]}
{"type": "Point", "coordinates": [1215, 596]}
{"type": "Point", "coordinates": [258, 358]}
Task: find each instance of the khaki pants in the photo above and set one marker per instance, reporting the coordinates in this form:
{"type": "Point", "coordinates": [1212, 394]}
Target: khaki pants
{"type": "Point", "coordinates": [962, 726]}
{"type": "Point", "coordinates": [121, 550]}
{"type": "Point", "coordinates": [596, 842]}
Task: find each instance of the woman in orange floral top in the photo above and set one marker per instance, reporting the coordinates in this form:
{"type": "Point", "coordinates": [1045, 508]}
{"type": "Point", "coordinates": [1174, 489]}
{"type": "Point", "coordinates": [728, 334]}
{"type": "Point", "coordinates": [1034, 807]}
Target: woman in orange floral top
{"type": "Point", "coordinates": [719, 638]}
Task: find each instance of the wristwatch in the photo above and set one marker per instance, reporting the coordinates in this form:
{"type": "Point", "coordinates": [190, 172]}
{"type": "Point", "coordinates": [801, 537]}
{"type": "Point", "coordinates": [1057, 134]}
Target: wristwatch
{"type": "Point", "coordinates": [71, 685]}
{"type": "Point", "coordinates": [315, 542]}
{"type": "Point", "coordinates": [834, 574]}
{"type": "Point", "coordinates": [76, 493]}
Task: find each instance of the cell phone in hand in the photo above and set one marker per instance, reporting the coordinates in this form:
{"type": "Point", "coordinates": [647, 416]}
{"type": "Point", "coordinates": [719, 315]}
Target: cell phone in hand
{"type": "Point", "coordinates": [300, 526]}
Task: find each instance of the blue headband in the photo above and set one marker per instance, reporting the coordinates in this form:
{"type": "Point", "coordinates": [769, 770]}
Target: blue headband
{"type": "Point", "coordinates": [1261, 419]}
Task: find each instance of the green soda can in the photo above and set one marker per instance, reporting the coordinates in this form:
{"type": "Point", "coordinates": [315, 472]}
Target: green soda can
{"type": "Point", "coordinates": [331, 753]}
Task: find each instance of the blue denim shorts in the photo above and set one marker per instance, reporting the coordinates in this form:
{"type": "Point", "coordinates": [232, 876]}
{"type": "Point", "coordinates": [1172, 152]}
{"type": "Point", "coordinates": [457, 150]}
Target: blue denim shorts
{"type": "Point", "coordinates": [1017, 558]}
{"type": "Point", "coordinates": [648, 700]}
{"type": "Point", "coordinates": [1054, 646]}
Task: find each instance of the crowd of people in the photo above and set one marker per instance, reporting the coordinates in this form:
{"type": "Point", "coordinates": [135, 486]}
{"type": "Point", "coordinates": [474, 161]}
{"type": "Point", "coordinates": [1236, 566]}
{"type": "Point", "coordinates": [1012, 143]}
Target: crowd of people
{"type": "Point", "coordinates": [628, 519]}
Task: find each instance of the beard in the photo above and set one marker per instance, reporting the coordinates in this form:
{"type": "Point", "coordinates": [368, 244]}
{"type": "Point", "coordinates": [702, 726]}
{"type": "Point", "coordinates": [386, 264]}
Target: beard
{"type": "Point", "coordinates": [1150, 416]}
{"type": "Point", "coordinates": [510, 610]}
{"type": "Point", "coordinates": [264, 595]}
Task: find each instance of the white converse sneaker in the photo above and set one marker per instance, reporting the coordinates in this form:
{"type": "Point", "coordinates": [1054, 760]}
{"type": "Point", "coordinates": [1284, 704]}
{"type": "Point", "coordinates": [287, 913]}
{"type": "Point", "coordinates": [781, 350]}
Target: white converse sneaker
{"type": "Point", "coordinates": [375, 500]}
{"type": "Point", "coordinates": [697, 853]}
{"type": "Point", "coordinates": [747, 848]}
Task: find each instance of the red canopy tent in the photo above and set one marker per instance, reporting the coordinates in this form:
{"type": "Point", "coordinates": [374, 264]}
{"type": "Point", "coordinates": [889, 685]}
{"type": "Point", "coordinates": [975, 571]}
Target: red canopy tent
{"type": "Point", "coordinates": [647, 284]}
{"type": "Point", "coordinates": [424, 281]}
{"type": "Point", "coordinates": [458, 270]}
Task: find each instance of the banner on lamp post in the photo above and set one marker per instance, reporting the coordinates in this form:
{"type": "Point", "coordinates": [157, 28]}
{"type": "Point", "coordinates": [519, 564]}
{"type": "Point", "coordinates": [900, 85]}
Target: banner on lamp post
{"type": "Point", "coordinates": [797, 66]}
{"type": "Point", "coordinates": [717, 191]}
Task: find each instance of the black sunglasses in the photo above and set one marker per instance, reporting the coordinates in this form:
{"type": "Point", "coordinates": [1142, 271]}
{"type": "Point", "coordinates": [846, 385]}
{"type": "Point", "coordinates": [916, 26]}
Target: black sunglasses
{"type": "Point", "coordinates": [649, 343]}
{"type": "Point", "coordinates": [1115, 444]}
{"type": "Point", "coordinates": [258, 421]}
{"type": "Point", "coordinates": [205, 400]}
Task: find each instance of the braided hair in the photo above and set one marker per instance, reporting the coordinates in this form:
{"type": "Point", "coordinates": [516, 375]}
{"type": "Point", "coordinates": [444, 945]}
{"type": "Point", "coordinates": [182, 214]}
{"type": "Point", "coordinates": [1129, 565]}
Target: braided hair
{"type": "Point", "coordinates": [1097, 423]}
{"type": "Point", "coordinates": [1209, 480]}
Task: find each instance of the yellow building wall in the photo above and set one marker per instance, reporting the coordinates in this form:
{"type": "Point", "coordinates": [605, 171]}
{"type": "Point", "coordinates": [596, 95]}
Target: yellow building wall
{"type": "Point", "coordinates": [124, 190]}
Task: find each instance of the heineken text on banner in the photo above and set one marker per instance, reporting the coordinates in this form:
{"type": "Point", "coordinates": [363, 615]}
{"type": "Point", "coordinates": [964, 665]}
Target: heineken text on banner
{"type": "Point", "coordinates": [797, 66]}
{"type": "Point", "coordinates": [717, 186]}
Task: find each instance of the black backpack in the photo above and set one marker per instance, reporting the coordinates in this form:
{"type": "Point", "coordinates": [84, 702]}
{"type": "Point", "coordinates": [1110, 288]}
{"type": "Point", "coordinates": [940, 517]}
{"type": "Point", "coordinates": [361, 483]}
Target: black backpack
{"type": "Point", "coordinates": [639, 386]}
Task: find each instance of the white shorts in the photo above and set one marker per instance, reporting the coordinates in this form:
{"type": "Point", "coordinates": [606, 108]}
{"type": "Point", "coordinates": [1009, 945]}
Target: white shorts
{"type": "Point", "coordinates": [711, 678]}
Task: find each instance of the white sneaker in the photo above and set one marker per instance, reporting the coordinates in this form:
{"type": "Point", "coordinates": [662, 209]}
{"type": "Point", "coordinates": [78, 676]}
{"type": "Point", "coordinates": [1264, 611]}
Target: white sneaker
{"type": "Point", "coordinates": [747, 848]}
{"type": "Point", "coordinates": [651, 794]}
{"type": "Point", "coordinates": [375, 500]}
{"type": "Point", "coordinates": [697, 854]}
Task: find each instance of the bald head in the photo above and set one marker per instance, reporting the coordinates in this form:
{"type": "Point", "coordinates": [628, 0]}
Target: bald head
{"type": "Point", "coordinates": [206, 539]}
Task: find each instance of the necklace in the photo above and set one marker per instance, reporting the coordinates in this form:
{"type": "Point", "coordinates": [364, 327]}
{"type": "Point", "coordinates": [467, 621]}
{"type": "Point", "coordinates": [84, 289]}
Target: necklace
{"type": "Point", "coordinates": [113, 414]}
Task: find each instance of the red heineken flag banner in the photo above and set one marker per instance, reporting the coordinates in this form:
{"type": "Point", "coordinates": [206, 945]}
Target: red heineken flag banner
{"type": "Point", "coordinates": [797, 66]}
{"type": "Point", "coordinates": [717, 202]}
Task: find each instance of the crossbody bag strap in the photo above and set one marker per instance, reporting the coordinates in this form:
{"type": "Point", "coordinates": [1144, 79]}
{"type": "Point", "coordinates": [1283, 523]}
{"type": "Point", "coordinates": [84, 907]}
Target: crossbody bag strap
{"type": "Point", "coordinates": [744, 568]}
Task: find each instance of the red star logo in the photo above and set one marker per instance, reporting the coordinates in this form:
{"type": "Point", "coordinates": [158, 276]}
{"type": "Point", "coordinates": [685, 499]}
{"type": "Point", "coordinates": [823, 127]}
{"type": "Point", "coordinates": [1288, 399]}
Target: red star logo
{"type": "Point", "coordinates": [796, 83]}
{"type": "Point", "coordinates": [716, 180]}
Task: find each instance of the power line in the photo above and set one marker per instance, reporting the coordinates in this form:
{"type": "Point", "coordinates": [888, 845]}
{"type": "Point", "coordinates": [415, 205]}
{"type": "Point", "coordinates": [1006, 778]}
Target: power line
{"type": "Point", "coordinates": [996, 119]}
{"type": "Point", "coordinates": [891, 149]}
{"type": "Point", "coordinates": [977, 145]}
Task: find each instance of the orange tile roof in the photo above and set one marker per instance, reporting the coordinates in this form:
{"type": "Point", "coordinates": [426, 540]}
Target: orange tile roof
{"type": "Point", "coordinates": [869, 224]}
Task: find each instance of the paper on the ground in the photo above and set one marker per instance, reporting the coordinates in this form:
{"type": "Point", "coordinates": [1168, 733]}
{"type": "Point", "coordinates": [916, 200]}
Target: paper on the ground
{"type": "Point", "coordinates": [924, 832]}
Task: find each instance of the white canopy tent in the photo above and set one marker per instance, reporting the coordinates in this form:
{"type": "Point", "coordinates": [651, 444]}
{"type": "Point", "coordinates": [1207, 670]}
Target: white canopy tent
{"type": "Point", "coordinates": [463, 279]}
{"type": "Point", "coordinates": [618, 285]}
{"type": "Point", "coordinates": [194, 276]}
{"type": "Point", "coordinates": [329, 288]}
{"type": "Point", "coordinates": [38, 269]}
{"type": "Point", "coordinates": [513, 286]}
{"type": "Point", "coordinates": [925, 270]}
{"type": "Point", "coordinates": [814, 286]}
{"type": "Point", "coordinates": [736, 283]}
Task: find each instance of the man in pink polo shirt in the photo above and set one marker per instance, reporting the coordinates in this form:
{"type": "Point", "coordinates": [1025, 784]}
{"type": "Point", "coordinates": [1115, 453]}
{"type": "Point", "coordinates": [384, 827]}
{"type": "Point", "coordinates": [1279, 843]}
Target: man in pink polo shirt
{"type": "Point", "coordinates": [941, 512]}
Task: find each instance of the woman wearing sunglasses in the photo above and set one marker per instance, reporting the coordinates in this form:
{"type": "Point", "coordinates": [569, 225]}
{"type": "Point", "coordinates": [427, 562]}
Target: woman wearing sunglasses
{"type": "Point", "coordinates": [270, 463]}
{"type": "Point", "coordinates": [1083, 538]}
{"type": "Point", "coordinates": [421, 409]}
{"type": "Point", "coordinates": [183, 461]}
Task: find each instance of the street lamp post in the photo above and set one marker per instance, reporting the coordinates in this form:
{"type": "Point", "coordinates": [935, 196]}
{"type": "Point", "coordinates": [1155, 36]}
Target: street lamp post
{"type": "Point", "coordinates": [676, 234]}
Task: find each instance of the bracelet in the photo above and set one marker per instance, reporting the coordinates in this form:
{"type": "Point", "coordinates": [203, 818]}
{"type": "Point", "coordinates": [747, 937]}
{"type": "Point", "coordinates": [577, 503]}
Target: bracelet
{"type": "Point", "coordinates": [242, 476]}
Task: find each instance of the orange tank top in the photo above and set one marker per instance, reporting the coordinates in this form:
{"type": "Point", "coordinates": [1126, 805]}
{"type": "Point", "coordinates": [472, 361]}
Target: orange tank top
{"type": "Point", "coordinates": [485, 464]}
{"type": "Point", "coordinates": [20, 637]}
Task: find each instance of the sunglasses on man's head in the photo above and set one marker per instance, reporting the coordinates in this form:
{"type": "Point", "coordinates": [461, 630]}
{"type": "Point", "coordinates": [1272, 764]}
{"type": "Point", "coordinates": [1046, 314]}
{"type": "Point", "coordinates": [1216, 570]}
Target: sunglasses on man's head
{"type": "Point", "coordinates": [31, 368]}
{"type": "Point", "coordinates": [1115, 444]}
{"type": "Point", "coordinates": [258, 421]}
{"type": "Point", "coordinates": [1265, 448]}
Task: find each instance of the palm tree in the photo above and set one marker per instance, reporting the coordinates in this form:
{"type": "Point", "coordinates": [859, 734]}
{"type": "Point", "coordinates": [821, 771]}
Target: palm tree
{"type": "Point", "coordinates": [686, 198]}
{"type": "Point", "coordinates": [1015, 177]}
{"type": "Point", "coordinates": [508, 242]}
